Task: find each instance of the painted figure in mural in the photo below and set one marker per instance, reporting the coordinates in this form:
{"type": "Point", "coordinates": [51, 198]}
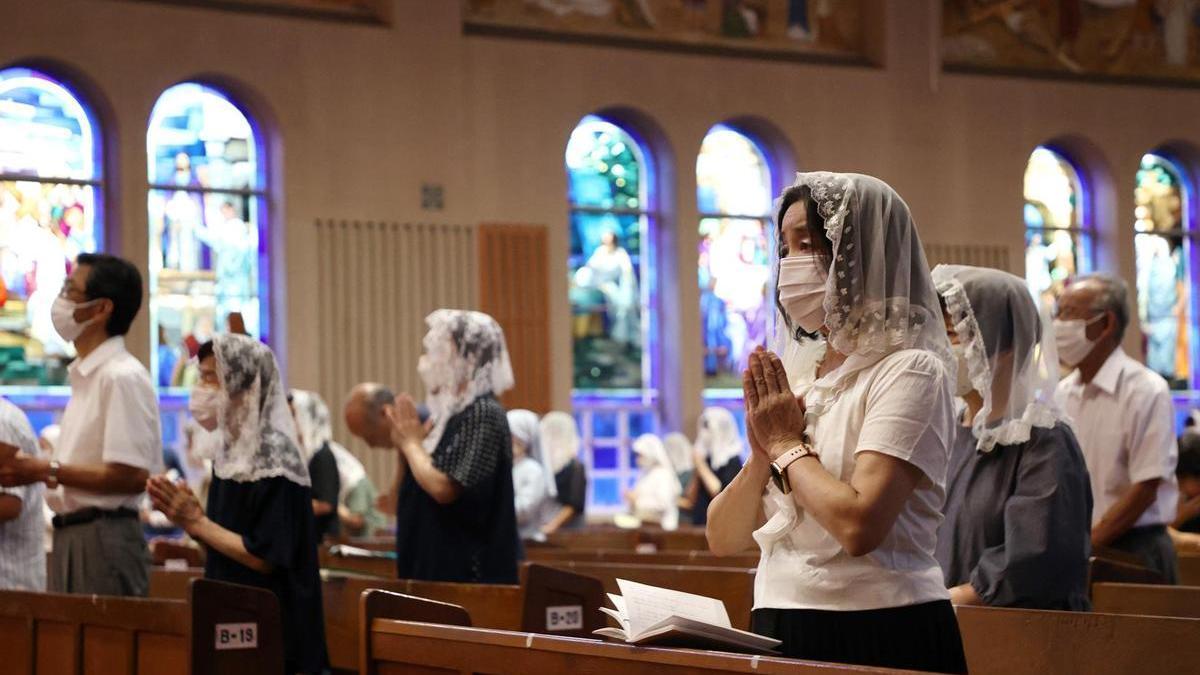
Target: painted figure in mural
{"type": "Point", "coordinates": [737, 266]}
{"type": "Point", "coordinates": [613, 275]}
{"type": "Point", "coordinates": [1159, 275]}
{"type": "Point", "coordinates": [234, 243]}
{"type": "Point", "coordinates": [183, 213]}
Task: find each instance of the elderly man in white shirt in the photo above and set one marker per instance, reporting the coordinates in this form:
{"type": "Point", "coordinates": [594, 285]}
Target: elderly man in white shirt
{"type": "Point", "coordinates": [22, 529]}
{"type": "Point", "coordinates": [1123, 416]}
{"type": "Point", "coordinates": [111, 440]}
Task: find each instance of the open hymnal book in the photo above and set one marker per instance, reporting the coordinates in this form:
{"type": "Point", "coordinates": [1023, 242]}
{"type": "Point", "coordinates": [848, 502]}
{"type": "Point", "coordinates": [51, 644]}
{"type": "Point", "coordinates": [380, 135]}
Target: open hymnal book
{"type": "Point", "coordinates": [649, 615]}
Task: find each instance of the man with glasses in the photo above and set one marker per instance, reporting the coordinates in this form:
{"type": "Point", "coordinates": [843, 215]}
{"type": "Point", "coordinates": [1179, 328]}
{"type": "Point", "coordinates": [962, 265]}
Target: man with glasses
{"type": "Point", "coordinates": [1124, 419]}
{"type": "Point", "coordinates": [110, 440]}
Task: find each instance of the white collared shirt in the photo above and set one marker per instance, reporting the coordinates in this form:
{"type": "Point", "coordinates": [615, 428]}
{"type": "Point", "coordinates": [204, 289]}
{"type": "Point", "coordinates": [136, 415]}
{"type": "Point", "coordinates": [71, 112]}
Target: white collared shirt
{"type": "Point", "coordinates": [1125, 422]}
{"type": "Point", "coordinates": [900, 406]}
{"type": "Point", "coordinates": [22, 539]}
{"type": "Point", "coordinates": [112, 417]}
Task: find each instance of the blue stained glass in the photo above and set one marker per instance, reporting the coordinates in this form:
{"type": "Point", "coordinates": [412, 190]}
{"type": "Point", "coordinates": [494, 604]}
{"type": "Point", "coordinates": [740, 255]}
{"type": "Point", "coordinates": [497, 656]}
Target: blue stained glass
{"type": "Point", "coordinates": [199, 138]}
{"type": "Point", "coordinates": [1052, 215]}
{"type": "Point", "coordinates": [604, 166]}
{"type": "Point", "coordinates": [643, 423]}
{"type": "Point", "coordinates": [604, 424]}
{"type": "Point", "coordinates": [606, 491]}
{"type": "Point", "coordinates": [45, 132]}
{"type": "Point", "coordinates": [604, 457]}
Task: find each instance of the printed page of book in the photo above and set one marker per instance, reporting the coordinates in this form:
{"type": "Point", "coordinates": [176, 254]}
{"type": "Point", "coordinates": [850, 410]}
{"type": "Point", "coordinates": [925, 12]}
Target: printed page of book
{"type": "Point", "coordinates": [648, 605]}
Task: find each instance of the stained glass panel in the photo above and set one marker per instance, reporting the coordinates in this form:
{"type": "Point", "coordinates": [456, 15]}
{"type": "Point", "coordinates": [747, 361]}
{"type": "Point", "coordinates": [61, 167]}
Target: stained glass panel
{"type": "Point", "coordinates": [1056, 243]}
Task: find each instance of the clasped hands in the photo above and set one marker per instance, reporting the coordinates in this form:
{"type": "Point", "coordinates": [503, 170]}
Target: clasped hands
{"type": "Point", "coordinates": [176, 501]}
{"type": "Point", "coordinates": [406, 427]}
{"type": "Point", "coordinates": [774, 415]}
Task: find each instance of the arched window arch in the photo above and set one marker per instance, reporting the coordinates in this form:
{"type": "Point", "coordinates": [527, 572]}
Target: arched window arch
{"type": "Point", "coordinates": [1163, 246]}
{"type": "Point", "coordinates": [208, 233]}
{"type": "Point", "coordinates": [1057, 237]}
{"type": "Point", "coordinates": [612, 282]}
{"type": "Point", "coordinates": [733, 194]}
{"type": "Point", "coordinates": [51, 196]}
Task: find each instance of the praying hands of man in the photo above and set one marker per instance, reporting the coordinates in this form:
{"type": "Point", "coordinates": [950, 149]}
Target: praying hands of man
{"type": "Point", "coordinates": [774, 415]}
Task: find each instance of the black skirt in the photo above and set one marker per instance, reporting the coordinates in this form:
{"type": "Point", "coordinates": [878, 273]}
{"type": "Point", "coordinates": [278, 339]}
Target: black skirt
{"type": "Point", "coordinates": [916, 637]}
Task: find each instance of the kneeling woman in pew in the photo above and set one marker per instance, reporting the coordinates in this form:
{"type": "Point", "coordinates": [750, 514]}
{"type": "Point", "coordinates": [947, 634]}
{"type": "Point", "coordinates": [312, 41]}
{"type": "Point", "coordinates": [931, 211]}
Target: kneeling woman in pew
{"type": "Point", "coordinates": [1018, 499]}
{"type": "Point", "coordinates": [259, 528]}
{"type": "Point", "coordinates": [844, 485]}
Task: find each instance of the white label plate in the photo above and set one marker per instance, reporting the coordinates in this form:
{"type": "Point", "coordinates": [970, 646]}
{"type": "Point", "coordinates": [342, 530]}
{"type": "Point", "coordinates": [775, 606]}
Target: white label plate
{"type": "Point", "coordinates": [564, 617]}
{"type": "Point", "coordinates": [237, 636]}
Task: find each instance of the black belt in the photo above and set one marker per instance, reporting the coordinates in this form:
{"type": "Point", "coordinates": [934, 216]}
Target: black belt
{"type": "Point", "coordinates": [90, 514]}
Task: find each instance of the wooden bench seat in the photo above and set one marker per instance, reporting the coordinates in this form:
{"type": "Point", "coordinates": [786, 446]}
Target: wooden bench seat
{"type": "Point", "coordinates": [55, 634]}
{"type": "Point", "coordinates": [1147, 599]}
{"type": "Point", "coordinates": [1017, 641]}
{"type": "Point", "coordinates": [700, 558]}
{"type": "Point", "coordinates": [393, 646]}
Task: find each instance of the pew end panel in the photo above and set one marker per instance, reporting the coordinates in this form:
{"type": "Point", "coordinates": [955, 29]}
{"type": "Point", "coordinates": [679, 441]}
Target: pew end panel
{"type": "Point", "coordinates": [379, 604]}
{"type": "Point", "coordinates": [558, 602]}
{"type": "Point", "coordinates": [235, 630]}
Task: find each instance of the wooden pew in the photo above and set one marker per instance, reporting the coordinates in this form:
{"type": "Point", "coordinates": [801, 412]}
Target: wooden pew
{"type": "Point", "coordinates": [54, 634]}
{"type": "Point", "coordinates": [1105, 570]}
{"type": "Point", "coordinates": [546, 596]}
{"type": "Point", "coordinates": [733, 586]}
{"type": "Point", "coordinates": [172, 584]}
{"type": "Point", "coordinates": [1015, 641]}
{"type": "Point", "coordinates": [175, 555]}
{"type": "Point", "coordinates": [1189, 569]}
{"type": "Point", "coordinates": [392, 646]}
{"type": "Point", "coordinates": [377, 563]}
{"type": "Point", "coordinates": [701, 558]}
{"type": "Point", "coordinates": [647, 539]}
{"type": "Point", "coordinates": [1149, 600]}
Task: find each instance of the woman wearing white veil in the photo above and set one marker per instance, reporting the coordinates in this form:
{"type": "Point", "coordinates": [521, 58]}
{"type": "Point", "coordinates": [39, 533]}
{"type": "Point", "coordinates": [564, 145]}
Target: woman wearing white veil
{"type": "Point", "coordinates": [717, 459]}
{"type": "Point", "coordinates": [844, 485]}
{"type": "Point", "coordinates": [258, 528]}
{"type": "Point", "coordinates": [456, 518]}
{"type": "Point", "coordinates": [315, 434]}
{"type": "Point", "coordinates": [1018, 498]}
{"type": "Point", "coordinates": [560, 441]}
{"type": "Point", "coordinates": [654, 497]}
{"type": "Point", "coordinates": [533, 475]}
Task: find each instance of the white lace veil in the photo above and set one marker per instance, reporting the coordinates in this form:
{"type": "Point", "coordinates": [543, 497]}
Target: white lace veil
{"type": "Point", "coordinates": [560, 439]}
{"type": "Point", "coordinates": [465, 358]}
{"type": "Point", "coordinates": [879, 297]}
{"type": "Point", "coordinates": [525, 426]}
{"type": "Point", "coordinates": [254, 421]}
{"type": "Point", "coordinates": [652, 447]}
{"type": "Point", "coordinates": [718, 436]}
{"type": "Point", "coordinates": [1010, 352]}
{"type": "Point", "coordinates": [679, 451]}
{"type": "Point", "coordinates": [313, 426]}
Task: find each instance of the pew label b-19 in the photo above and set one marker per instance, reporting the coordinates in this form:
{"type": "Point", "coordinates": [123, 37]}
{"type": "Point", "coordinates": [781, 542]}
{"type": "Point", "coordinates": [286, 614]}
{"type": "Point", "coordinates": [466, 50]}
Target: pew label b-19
{"type": "Point", "coordinates": [237, 636]}
{"type": "Point", "coordinates": [566, 617]}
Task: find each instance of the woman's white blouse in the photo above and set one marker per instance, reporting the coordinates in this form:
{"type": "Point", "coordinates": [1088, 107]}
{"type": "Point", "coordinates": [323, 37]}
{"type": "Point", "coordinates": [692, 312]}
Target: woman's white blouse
{"type": "Point", "coordinates": [900, 406]}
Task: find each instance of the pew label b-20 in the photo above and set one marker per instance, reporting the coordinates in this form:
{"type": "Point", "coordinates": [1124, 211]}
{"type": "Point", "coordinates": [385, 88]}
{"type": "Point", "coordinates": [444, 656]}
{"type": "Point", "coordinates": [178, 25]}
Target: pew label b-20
{"type": "Point", "coordinates": [567, 617]}
{"type": "Point", "coordinates": [237, 636]}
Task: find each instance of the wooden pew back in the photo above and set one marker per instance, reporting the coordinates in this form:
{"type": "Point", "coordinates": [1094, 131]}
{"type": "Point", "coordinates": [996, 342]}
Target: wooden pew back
{"type": "Point", "coordinates": [53, 634]}
{"type": "Point", "coordinates": [1146, 599]}
{"type": "Point", "coordinates": [1189, 569]}
{"type": "Point", "coordinates": [168, 584]}
{"type": "Point", "coordinates": [1107, 570]}
{"type": "Point", "coordinates": [734, 587]}
{"type": "Point", "coordinates": [701, 558]}
{"type": "Point", "coordinates": [401, 646]}
{"type": "Point", "coordinates": [1015, 641]}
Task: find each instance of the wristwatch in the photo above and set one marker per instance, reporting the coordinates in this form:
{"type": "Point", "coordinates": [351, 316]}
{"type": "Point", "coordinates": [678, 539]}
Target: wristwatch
{"type": "Point", "coordinates": [780, 465]}
{"type": "Point", "coordinates": [52, 477]}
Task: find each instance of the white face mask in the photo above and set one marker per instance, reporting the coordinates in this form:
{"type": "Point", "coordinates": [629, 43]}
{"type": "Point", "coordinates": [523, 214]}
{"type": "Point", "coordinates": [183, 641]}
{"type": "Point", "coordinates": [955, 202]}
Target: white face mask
{"type": "Point", "coordinates": [204, 404]}
{"type": "Point", "coordinates": [802, 291]}
{"type": "Point", "coordinates": [1070, 336]}
{"type": "Point", "coordinates": [62, 315]}
{"type": "Point", "coordinates": [963, 386]}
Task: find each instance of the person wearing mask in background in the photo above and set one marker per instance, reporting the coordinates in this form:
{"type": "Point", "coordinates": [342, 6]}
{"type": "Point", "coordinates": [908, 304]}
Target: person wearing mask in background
{"type": "Point", "coordinates": [679, 451]}
{"type": "Point", "coordinates": [22, 527]}
{"type": "Point", "coordinates": [533, 478]}
{"type": "Point", "coordinates": [110, 439]}
{"type": "Point", "coordinates": [654, 498]}
{"type": "Point", "coordinates": [258, 526]}
{"type": "Point", "coordinates": [456, 514]}
{"type": "Point", "coordinates": [560, 442]}
{"type": "Point", "coordinates": [314, 432]}
{"type": "Point", "coordinates": [717, 459]}
{"type": "Point", "coordinates": [1018, 509]}
{"type": "Point", "coordinates": [1123, 416]}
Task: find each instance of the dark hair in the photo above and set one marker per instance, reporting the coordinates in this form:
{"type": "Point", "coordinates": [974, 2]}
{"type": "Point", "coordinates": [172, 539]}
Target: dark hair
{"type": "Point", "coordinates": [816, 232]}
{"type": "Point", "coordinates": [1189, 455]}
{"type": "Point", "coordinates": [206, 351]}
{"type": "Point", "coordinates": [117, 280]}
{"type": "Point", "coordinates": [379, 398]}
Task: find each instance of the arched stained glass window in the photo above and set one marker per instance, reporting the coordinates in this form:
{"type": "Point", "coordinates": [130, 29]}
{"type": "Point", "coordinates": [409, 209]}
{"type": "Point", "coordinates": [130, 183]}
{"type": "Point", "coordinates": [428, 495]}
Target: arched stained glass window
{"type": "Point", "coordinates": [609, 260]}
{"type": "Point", "coordinates": [1057, 241]}
{"type": "Point", "coordinates": [1163, 246]}
{"type": "Point", "coordinates": [733, 181]}
{"type": "Point", "coordinates": [207, 224]}
{"type": "Point", "coordinates": [51, 191]}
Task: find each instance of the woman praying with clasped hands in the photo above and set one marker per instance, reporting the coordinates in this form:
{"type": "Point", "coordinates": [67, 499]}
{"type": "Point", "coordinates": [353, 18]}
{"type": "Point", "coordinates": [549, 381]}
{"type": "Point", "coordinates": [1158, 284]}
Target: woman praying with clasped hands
{"type": "Point", "coordinates": [846, 476]}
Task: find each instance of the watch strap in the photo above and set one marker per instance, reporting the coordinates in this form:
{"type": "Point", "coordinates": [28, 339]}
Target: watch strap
{"type": "Point", "coordinates": [780, 465]}
{"type": "Point", "coordinates": [52, 478]}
